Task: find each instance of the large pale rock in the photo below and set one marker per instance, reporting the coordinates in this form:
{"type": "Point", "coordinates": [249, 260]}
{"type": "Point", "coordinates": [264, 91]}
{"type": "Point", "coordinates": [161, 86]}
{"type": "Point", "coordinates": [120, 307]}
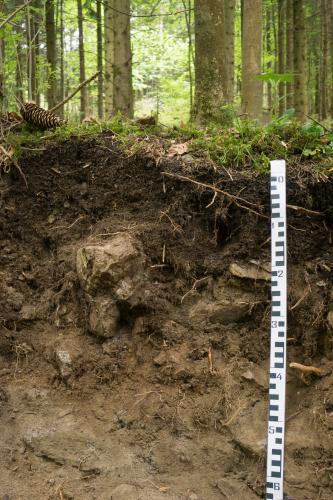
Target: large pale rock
{"type": "Point", "coordinates": [104, 317]}
{"type": "Point", "coordinates": [133, 492]}
{"type": "Point", "coordinates": [232, 489]}
{"type": "Point", "coordinates": [65, 443]}
{"type": "Point", "coordinates": [116, 267]}
{"type": "Point", "coordinates": [249, 431]}
{"type": "Point", "coordinates": [64, 363]}
{"type": "Point", "coordinates": [250, 271]}
{"type": "Point", "coordinates": [257, 375]}
{"type": "Point", "coordinates": [219, 312]}
{"type": "Point", "coordinates": [250, 428]}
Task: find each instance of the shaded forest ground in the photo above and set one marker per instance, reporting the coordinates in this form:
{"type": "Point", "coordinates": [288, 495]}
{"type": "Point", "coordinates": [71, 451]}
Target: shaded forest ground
{"type": "Point", "coordinates": [156, 389]}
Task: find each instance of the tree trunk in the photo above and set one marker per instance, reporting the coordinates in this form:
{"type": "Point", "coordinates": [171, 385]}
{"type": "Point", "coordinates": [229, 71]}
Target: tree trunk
{"type": "Point", "coordinates": [83, 92]}
{"type": "Point", "coordinates": [300, 65]}
{"type": "Point", "coordinates": [99, 59]}
{"type": "Point", "coordinates": [330, 8]}
{"type": "Point", "coordinates": [19, 64]}
{"type": "Point", "coordinates": [210, 71]}
{"type": "Point", "coordinates": [229, 24]}
{"type": "Point", "coordinates": [2, 75]}
{"type": "Point", "coordinates": [252, 88]}
{"type": "Point", "coordinates": [51, 54]}
{"type": "Point", "coordinates": [109, 56]}
{"type": "Point", "coordinates": [31, 46]}
{"type": "Point", "coordinates": [323, 111]}
{"type": "Point", "coordinates": [62, 59]}
{"type": "Point", "coordinates": [281, 54]}
{"type": "Point", "coordinates": [37, 19]}
{"type": "Point", "coordinates": [269, 54]}
{"type": "Point", "coordinates": [290, 51]}
{"type": "Point", "coordinates": [122, 70]}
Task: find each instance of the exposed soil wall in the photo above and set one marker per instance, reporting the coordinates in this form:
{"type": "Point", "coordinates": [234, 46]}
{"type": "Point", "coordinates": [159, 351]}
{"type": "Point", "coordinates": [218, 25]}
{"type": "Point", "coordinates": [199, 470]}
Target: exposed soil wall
{"type": "Point", "coordinates": [134, 328]}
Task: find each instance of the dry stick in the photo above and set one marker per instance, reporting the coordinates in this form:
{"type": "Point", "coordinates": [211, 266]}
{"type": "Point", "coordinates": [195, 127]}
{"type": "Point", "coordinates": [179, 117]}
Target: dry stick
{"type": "Point", "coordinates": [234, 197]}
{"type": "Point", "coordinates": [13, 14]}
{"type": "Point", "coordinates": [209, 186]}
{"type": "Point", "coordinates": [320, 124]}
{"type": "Point", "coordinates": [14, 163]}
{"type": "Point", "coordinates": [68, 98]}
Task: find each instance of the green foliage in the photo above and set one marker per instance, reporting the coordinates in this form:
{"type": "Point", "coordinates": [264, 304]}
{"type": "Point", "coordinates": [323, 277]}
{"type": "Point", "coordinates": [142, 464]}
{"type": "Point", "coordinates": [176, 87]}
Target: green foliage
{"type": "Point", "coordinates": [243, 146]}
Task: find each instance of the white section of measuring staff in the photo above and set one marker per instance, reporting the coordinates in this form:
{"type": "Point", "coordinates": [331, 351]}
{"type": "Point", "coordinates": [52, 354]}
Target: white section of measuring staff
{"type": "Point", "coordinates": [278, 350]}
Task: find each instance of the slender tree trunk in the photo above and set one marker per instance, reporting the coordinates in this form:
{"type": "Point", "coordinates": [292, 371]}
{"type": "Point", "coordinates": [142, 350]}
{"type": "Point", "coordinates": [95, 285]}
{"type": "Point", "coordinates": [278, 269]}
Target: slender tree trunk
{"type": "Point", "coordinates": [83, 93]}
{"type": "Point", "coordinates": [187, 4]}
{"type": "Point", "coordinates": [229, 23]}
{"type": "Point", "coordinates": [109, 56]}
{"type": "Point", "coordinates": [252, 88]}
{"type": "Point", "coordinates": [51, 53]}
{"type": "Point", "coordinates": [36, 29]}
{"type": "Point", "coordinates": [300, 65]}
{"type": "Point", "coordinates": [122, 72]}
{"type": "Point", "coordinates": [290, 51]}
{"type": "Point", "coordinates": [99, 59]}
{"type": "Point", "coordinates": [323, 112]}
{"type": "Point", "coordinates": [281, 53]}
{"type": "Point", "coordinates": [269, 53]}
{"type": "Point", "coordinates": [31, 47]}
{"type": "Point", "coordinates": [210, 72]}
{"type": "Point", "coordinates": [330, 7]}
{"type": "Point", "coordinates": [62, 58]}
{"type": "Point", "coordinates": [18, 72]}
{"type": "Point", "coordinates": [19, 64]}
{"type": "Point", "coordinates": [2, 74]}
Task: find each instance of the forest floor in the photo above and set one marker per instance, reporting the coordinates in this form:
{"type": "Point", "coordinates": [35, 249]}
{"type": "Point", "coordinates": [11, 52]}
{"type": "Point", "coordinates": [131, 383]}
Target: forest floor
{"type": "Point", "coordinates": [134, 327]}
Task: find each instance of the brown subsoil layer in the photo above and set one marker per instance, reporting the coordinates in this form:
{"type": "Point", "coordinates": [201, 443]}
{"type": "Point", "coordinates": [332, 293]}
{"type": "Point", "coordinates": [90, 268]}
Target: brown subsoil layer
{"type": "Point", "coordinates": [168, 400]}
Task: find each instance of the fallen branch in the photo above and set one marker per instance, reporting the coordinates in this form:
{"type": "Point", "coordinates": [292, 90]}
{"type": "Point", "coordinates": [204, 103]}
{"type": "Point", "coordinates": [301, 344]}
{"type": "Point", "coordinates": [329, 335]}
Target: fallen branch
{"type": "Point", "coordinates": [68, 98]}
{"type": "Point", "coordinates": [236, 198]}
{"type": "Point", "coordinates": [232, 197]}
{"type": "Point", "coordinates": [209, 186]}
{"type": "Point", "coordinates": [13, 14]}
{"type": "Point", "coordinates": [320, 124]}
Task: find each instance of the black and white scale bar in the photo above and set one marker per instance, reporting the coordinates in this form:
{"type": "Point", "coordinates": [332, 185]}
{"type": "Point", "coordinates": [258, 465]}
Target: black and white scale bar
{"type": "Point", "coordinates": [277, 375]}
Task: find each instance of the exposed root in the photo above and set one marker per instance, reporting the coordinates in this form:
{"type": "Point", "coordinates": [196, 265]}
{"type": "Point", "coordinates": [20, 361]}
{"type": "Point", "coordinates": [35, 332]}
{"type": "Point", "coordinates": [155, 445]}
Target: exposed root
{"type": "Point", "coordinates": [305, 371]}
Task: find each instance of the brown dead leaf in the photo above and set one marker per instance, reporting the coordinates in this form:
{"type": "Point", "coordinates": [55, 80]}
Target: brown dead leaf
{"type": "Point", "coordinates": [178, 149]}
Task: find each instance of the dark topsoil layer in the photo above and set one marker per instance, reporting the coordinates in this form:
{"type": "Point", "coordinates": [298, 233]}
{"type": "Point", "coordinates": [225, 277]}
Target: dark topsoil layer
{"type": "Point", "coordinates": [88, 190]}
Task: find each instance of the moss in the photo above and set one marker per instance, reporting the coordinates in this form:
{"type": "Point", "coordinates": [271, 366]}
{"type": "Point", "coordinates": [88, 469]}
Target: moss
{"type": "Point", "coordinates": [244, 145]}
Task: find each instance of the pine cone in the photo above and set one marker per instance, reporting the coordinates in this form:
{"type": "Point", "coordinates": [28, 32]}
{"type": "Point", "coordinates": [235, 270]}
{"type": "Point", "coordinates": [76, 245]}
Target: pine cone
{"type": "Point", "coordinates": [40, 117]}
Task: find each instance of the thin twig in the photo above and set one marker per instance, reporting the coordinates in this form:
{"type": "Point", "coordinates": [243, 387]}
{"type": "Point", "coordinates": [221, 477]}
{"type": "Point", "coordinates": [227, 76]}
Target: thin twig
{"type": "Point", "coordinates": [238, 198]}
{"type": "Point", "coordinates": [209, 186]}
{"type": "Point", "coordinates": [305, 294]}
{"type": "Point", "coordinates": [194, 286]}
{"type": "Point", "coordinates": [71, 225]}
{"type": "Point", "coordinates": [68, 98]}
{"type": "Point", "coordinates": [320, 124]}
{"type": "Point", "coordinates": [13, 14]}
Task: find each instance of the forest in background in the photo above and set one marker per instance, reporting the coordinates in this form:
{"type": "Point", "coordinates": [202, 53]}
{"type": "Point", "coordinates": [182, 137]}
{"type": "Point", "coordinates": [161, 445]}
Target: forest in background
{"type": "Point", "coordinates": [177, 60]}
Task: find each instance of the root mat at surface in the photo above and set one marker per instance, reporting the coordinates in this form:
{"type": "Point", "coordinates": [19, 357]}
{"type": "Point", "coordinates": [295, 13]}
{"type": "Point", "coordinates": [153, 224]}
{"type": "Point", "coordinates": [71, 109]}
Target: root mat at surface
{"type": "Point", "coordinates": [134, 328]}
